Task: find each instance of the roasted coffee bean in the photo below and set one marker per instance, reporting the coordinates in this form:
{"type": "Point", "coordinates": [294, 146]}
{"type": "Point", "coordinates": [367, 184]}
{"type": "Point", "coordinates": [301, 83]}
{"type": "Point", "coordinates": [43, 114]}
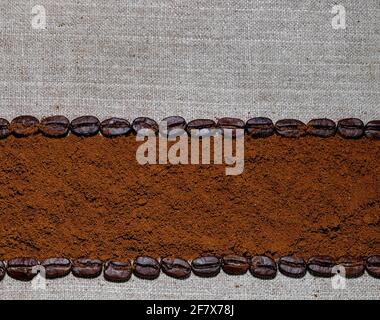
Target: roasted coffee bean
{"type": "Point", "coordinates": [354, 268]}
{"type": "Point", "coordinates": [114, 127]}
{"type": "Point", "coordinates": [321, 127]}
{"type": "Point", "coordinates": [208, 266]}
{"type": "Point", "coordinates": [55, 126]}
{"type": "Point", "coordinates": [86, 268]}
{"type": "Point", "coordinates": [290, 128]}
{"type": "Point", "coordinates": [4, 128]}
{"type": "Point", "coordinates": [292, 266]}
{"type": "Point", "coordinates": [2, 270]}
{"type": "Point", "coordinates": [351, 128]}
{"type": "Point", "coordinates": [321, 266]}
{"type": "Point", "coordinates": [23, 269]}
{"type": "Point", "coordinates": [176, 267]}
{"type": "Point", "coordinates": [117, 271]}
{"type": "Point", "coordinates": [260, 127]}
{"type": "Point", "coordinates": [372, 129]}
{"type": "Point", "coordinates": [202, 128]}
{"type": "Point", "coordinates": [141, 124]}
{"type": "Point", "coordinates": [233, 264]}
{"type": "Point", "coordinates": [146, 268]}
{"type": "Point", "coordinates": [23, 126]}
{"type": "Point", "coordinates": [56, 267]}
{"type": "Point", "coordinates": [373, 266]}
{"type": "Point", "coordinates": [232, 123]}
{"type": "Point", "coordinates": [176, 126]}
{"type": "Point", "coordinates": [85, 126]}
{"type": "Point", "coordinates": [263, 267]}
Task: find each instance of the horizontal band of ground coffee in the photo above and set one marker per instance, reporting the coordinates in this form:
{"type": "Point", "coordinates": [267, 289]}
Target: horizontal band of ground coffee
{"type": "Point", "coordinates": [89, 197]}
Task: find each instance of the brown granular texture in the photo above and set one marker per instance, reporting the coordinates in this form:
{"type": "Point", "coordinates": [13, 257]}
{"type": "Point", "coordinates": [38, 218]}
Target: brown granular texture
{"type": "Point", "coordinates": [89, 197]}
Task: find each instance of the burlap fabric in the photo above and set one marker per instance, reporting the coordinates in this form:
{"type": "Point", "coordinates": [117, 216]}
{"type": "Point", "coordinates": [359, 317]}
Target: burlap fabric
{"type": "Point", "coordinates": [204, 58]}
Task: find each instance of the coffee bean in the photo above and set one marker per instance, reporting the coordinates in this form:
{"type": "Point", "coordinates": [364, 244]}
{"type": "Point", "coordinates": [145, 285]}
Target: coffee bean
{"type": "Point", "coordinates": [260, 127]}
{"type": "Point", "coordinates": [202, 128]}
{"type": "Point", "coordinates": [292, 266]}
{"type": "Point", "coordinates": [290, 128]}
{"type": "Point", "coordinates": [321, 266]}
{"type": "Point", "coordinates": [87, 268]}
{"type": "Point", "coordinates": [322, 127]}
{"type": "Point", "coordinates": [22, 268]}
{"type": "Point", "coordinates": [351, 128]}
{"type": "Point", "coordinates": [263, 267]}
{"type": "Point", "coordinates": [207, 266]}
{"type": "Point", "coordinates": [85, 126]}
{"type": "Point", "coordinates": [55, 126]}
{"type": "Point", "coordinates": [141, 124]}
{"type": "Point", "coordinates": [232, 123]}
{"type": "Point", "coordinates": [146, 268]}
{"type": "Point", "coordinates": [4, 128]}
{"type": "Point", "coordinates": [235, 265]}
{"type": "Point", "coordinates": [23, 126]}
{"type": "Point", "coordinates": [2, 270]}
{"type": "Point", "coordinates": [114, 127]}
{"type": "Point", "coordinates": [176, 126]}
{"type": "Point", "coordinates": [56, 267]}
{"type": "Point", "coordinates": [372, 129]}
{"type": "Point", "coordinates": [176, 267]}
{"type": "Point", "coordinates": [117, 271]}
{"type": "Point", "coordinates": [373, 266]}
{"type": "Point", "coordinates": [354, 268]}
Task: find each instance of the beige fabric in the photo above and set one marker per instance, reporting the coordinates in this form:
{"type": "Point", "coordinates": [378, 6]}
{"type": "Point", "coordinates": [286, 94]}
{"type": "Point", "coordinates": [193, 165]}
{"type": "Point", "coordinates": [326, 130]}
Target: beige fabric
{"type": "Point", "coordinates": [204, 58]}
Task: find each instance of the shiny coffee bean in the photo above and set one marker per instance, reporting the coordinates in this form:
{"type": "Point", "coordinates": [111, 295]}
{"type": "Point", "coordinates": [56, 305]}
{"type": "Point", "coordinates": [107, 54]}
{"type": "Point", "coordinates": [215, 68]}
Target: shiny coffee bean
{"type": "Point", "coordinates": [263, 267]}
{"type": "Point", "coordinates": [146, 268]}
{"type": "Point", "coordinates": [321, 266]}
{"type": "Point", "coordinates": [202, 128]}
{"type": "Point", "coordinates": [4, 128]}
{"type": "Point", "coordinates": [354, 268]}
{"type": "Point", "coordinates": [371, 130]}
{"type": "Point", "coordinates": [208, 266]}
{"type": "Point", "coordinates": [23, 126]}
{"type": "Point", "coordinates": [176, 126]}
{"type": "Point", "coordinates": [290, 128]}
{"type": "Point", "coordinates": [260, 127]}
{"type": "Point", "coordinates": [23, 269]}
{"type": "Point", "coordinates": [56, 267]}
{"type": "Point", "coordinates": [176, 267]}
{"type": "Point", "coordinates": [321, 127]}
{"type": "Point", "coordinates": [55, 126]}
{"type": "Point", "coordinates": [292, 266]}
{"type": "Point", "coordinates": [114, 127]}
{"type": "Point", "coordinates": [235, 265]}
{"type": "Point", "coordinates": [86, 268]}
{"type": "Point", "coordinates": [2, 270]}
{"type": "Point", "coordinates": [117, 271]}
{"type": "Point", "coordinates": [373, 266]}
{"type": "Point", "coordinates": [351, 128]}
{"type": "Point", "coordinates": [233, 124]}
{"type": "Point", "coordinates": [85, 126]}
{"type": "Point", "coordinates": [140, 124]}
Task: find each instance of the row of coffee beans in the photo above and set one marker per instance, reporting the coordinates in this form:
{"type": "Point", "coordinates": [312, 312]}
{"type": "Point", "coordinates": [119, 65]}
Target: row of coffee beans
{"type": "Point", "coordinates": [262, 267]}
{"type": "Point", "coordinates": [259, 127]}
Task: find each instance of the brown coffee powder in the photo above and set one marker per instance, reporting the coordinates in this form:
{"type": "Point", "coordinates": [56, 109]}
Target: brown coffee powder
{"type": "Point", "coordinates": [89, 197]}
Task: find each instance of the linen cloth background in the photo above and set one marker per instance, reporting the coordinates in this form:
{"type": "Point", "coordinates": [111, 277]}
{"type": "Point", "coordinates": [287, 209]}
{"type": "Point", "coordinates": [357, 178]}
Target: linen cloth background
{"type": "Point", "coordinates": [195, 58]}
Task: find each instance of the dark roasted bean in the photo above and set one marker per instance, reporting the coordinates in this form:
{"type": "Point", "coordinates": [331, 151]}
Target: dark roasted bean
{"type": "Point", "coordinates": [141, 124]}
{"type": "Point", "coordinates": [372, 129]}
{"type": "Point", "coordinates": [232, 123]}
{"type": "Point", "coordinates": [292, 266]}
{"type": "Point", "coordinates": [321, 127]}
{"type": "Point", "coordinates": [114, 127]}
{"type": "Point", "coordinates": [260, 127]}
{"type": "Point", "coordinates": [321, 266]}
{"type": "Point", "coordinates": [2, 270]}
{"type": "Point", "coordinates": [373, 266]}
{"type": "Point", "coordinates": [23, 126]}
{"type": "Point", "coordinates": [55, 126]}
{"type": "Point", "coordinates": [263, 267]}
{"type": "Point", "coordinates": [87, 268]}
{"type": "Point", "coordinates": [85, 126]}
{"type": "Point", "coordinates": [291, 128]}
{"type": "Point", "coordinates": [146, 268]}
{"type": "Point", "coordinates": [117, 271]}
{"type": "Point", "coordinates": [176, 267]}
{"type": "Point", "coordinates": [202, 128]}
{"type": "Point", "coordinates": [56, 267]}
{"type": "Point", "coordinates": [22, 268]}
{"type": "Point", "coordinates": [351, 128]}
{"type": "Point", "coordinates": [354, 268]}
{"type": "Point", "coordinates": [233, 264]}
{"type": "Point", "coordinates": [208, 266]}
{"type": "Point", "coordinates": [176, 126]}
{"type": "Point", "coordinates": [4, 128]}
